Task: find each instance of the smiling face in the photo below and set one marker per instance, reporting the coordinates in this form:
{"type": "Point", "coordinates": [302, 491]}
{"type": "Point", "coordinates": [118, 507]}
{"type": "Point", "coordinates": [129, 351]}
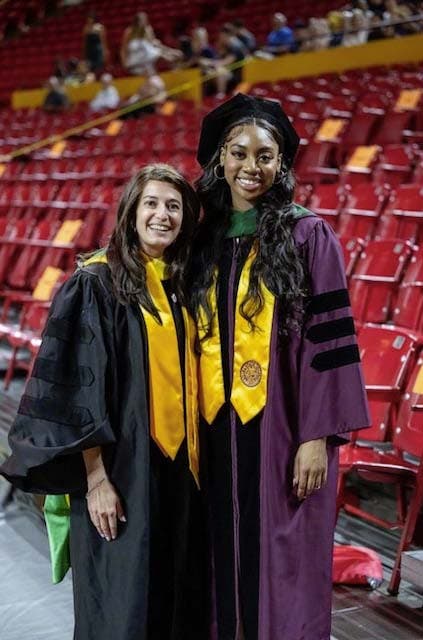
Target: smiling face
{"type": "Point", "coordinates": [251, 159]}
{"type": "Point", "coordinates": [159, 217]}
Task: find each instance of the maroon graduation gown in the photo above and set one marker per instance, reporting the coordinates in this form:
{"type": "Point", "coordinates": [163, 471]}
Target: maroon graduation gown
{"type": "Point", "coordinates": [272, 554]}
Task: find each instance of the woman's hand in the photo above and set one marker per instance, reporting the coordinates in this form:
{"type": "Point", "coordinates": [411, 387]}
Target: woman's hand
{"type": "Point", "coordinates": [310, 467]}
{"type": "Point", "coordinates": [104, 507]}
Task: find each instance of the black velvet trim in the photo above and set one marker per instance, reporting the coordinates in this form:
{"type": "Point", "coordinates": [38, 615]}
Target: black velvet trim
{"type": "Point", "coordinates": [336, 358]}
{"type": "Point", "coordinates": [331, 330]}
{"type": "Point", "coordinates": [63, 329]}
{"type": "Point", "coordinates": [329, 301]}
{"type": "Point", "coordinates": [51, 410]}
{"type": "Point", "coordinates": [71, 376]}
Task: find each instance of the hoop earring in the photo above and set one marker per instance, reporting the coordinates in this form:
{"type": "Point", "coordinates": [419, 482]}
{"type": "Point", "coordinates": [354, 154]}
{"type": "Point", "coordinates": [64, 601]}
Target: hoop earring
{"type": "Point", "coordinates": [215, 171]}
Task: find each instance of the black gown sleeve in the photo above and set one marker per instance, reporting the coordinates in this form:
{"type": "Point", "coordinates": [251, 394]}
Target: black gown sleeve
{"type": "Point", "coordinates": [64, 407]}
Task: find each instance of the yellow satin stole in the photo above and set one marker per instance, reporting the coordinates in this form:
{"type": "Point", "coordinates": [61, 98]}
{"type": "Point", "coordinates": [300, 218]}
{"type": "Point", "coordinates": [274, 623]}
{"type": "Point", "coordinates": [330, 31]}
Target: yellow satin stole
{"type": "Point", "coordinates": [170, 412]}
{"type": "Point", "coordinates": [251, 355]}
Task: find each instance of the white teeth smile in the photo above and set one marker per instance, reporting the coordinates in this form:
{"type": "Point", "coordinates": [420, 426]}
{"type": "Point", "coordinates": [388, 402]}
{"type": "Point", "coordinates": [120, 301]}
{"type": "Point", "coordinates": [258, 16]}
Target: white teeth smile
{"type": "Point", "coordinates": [245, 182]}
{"type": "Point", "coordinates": [158, 227]}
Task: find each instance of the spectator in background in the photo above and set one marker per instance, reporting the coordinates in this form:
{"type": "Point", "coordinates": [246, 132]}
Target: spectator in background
{"type": "Point", "coordinates": [301, 36]}
{"type": "Point", "coordinates": [377, 7]}
{"type": "Point", "coordinates": [281, 38]}
{"type": "Point", "coordinates": [375, 30]}
{"type": "Point", "coordinates": [140, 48]}
{"type": "Point", "coordinates": [138, 52]}
{"type": "Point", "coordinates": [244, 35]}
{"type": "Point", "coordinates": [153, 90]}
{"type": "Point", "coordinates": [198, 52]}
{"type": "Point", "coordinates": [108, 96]}
{"type": "Point", "coordinates": [335, 21]}
{"type": "Point", "coordinates": [79, 73]}
{"type": "Point", "coordinates": [356, 28]}
{"type": "Point", "coordinates": [230, 50]}
{"type": "Point", "coordinates": [398, 12]}
{"type": "Point", "coordinates": [96, 52]}
{"type": "Point", "coordinates": [319, 35]}
{"type": "Point", "coordinates": [56, 99]}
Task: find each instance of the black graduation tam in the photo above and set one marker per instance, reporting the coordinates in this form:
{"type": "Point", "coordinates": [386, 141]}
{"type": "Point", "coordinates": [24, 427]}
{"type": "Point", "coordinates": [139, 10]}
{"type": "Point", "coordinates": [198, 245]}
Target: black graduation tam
{"type": "Point", "coordinates": [239, 107]}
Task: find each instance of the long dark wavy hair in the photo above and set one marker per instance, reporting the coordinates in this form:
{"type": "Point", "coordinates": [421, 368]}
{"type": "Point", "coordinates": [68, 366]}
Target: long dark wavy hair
{"type": "Point", "coordinates": [123, 251]}
{"type": "Point", "coordinates": [278, 262]}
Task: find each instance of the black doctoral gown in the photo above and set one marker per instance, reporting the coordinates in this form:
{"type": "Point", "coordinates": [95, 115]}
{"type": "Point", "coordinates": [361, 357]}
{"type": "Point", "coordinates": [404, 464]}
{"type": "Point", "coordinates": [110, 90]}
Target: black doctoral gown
{"type": "Point", "coordinates": [89, 388]}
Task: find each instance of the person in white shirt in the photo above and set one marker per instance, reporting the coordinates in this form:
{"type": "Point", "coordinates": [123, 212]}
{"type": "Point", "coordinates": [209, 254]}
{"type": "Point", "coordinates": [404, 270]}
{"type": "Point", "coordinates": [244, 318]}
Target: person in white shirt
{"type": "Point", "coordinates": [108, 96]}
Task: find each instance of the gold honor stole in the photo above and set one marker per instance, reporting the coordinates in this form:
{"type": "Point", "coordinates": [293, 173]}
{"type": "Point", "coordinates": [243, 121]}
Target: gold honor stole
{"type": "Point", "coordinates": [251, 355]}
{"type": "Point", "coordinates": [168, 419]}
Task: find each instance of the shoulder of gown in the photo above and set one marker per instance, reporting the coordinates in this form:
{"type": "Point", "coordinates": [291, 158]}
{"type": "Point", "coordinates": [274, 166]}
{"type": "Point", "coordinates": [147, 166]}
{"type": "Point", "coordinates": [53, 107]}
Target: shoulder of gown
{"type": "Point", "coordinates": [64, 407]}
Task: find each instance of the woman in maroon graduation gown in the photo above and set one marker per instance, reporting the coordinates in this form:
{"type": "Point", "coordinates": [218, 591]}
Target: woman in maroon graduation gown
{"type": "Point", "coordinates": [280, 378]}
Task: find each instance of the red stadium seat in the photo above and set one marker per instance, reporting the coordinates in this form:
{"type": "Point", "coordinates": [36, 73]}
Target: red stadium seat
{"type": "Point", "coordinates": [395, 165]}
{"type": "Point", "coordinates": [402, 466]}
{"type": "Point", "coordinates": [351, 247]}
{"type": "Point", "coordinates": [313, 164]}
{"type": "Point", "coordinates": [356, 134]}
{"type": "Point", "coordinates": [9, 249]}
{"type": "Point", "coordinates": [391, 128]}
{"type": "Point", "coordinates": [29, 257]}
{"type": "Point", "coordinates": [403, 216]}
{"type": "Point", "coordinates": [408, 311]}
{"type": "Point", "coordinates": [327, 201]}
{"type": "Point", "coordinates": [361, 211]}
{"type": "Point", "coordinates": [376, 279]}
{"type": "Point", "coordinates": [27, 337]}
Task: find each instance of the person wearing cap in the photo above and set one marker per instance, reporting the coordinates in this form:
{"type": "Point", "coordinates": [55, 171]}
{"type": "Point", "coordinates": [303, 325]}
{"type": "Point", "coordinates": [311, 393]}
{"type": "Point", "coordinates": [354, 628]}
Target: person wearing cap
{"type": "Point", "coordinates": [108, 96]}
{"type": "Point", "coordinates": [280, 384]}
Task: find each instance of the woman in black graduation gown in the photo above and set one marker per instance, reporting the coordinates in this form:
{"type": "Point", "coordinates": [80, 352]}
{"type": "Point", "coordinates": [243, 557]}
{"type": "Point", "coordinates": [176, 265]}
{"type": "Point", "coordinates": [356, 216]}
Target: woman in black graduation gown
{"type": "Point", "coordinates": [109, 416]}
{"type": "Point", "coordinates": [280, 380]}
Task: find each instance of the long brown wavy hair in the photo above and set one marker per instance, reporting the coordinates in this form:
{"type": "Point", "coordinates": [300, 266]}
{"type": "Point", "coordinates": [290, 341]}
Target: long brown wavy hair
{"type": "Point", "coordinates": [123, 251]}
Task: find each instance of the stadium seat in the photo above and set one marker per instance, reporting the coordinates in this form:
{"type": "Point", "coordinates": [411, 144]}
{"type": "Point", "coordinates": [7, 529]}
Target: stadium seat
{"type": "Point", "coordinates": [391, 128]}
{"type": "Point", "coordinates": [403, 216]}
{"type": "Point", "coordinates": [376, 279]}
{"type": "Point", "coordinates": [351, 247]}
{"type": "Point", "coordinates": [402, 466]}
{"type": "Point", "coordinates": [362, 208]}
{"type": "Point", "coordinates": [314, 164]}
{"type": "Point", "coordinates": [327, 201]}
{"type": "Point", "coordinates": [27, 337]}
{"type": "Point", "coordinates": [408, 309]}
{"type": "Point", "coordinates": [395, 165]}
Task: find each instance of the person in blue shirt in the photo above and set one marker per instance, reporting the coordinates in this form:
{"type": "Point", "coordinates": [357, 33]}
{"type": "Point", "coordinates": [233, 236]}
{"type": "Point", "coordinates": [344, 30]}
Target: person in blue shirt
{"type": "Point", "coordinates": [281, 38]}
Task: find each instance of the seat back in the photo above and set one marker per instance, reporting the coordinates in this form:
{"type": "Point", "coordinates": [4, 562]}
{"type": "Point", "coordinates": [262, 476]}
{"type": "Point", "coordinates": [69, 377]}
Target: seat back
{"type": "Point", "coordinates": [408, 433]}
{"type": "Point", "coordinates": [387, 355]}
{"type": "Point", "coordinates": [376, 278]}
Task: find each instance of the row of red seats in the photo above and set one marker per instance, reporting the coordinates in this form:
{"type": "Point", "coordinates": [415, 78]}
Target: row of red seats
{"type": "Point", "coordinates": [366, 210]}
{"type": "Point", "coordinates": [391, 451]}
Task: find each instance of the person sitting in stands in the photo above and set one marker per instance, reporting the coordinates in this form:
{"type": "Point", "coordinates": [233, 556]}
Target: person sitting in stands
{"type": "Point", "coordinates": [281, 38]}
{"type": "Point", "coordinates": [319, 34]}
{"type": "Point", "coordinates": [247, 38]}
{"type": "Point", "coordinates": [108, 96]}
{"type": "Point", "coordinates": [301, 36]}
{"type": "Point", "coordinates": [79, 73]}
{"type": "Point", "coordinates": [197, 51]}
{"type": "Point", "coordinates": [56, 98]}
{"type": "Point", "coordinates": [153, 90]}
{"type": "Point", "coordinates": [230, 51]}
